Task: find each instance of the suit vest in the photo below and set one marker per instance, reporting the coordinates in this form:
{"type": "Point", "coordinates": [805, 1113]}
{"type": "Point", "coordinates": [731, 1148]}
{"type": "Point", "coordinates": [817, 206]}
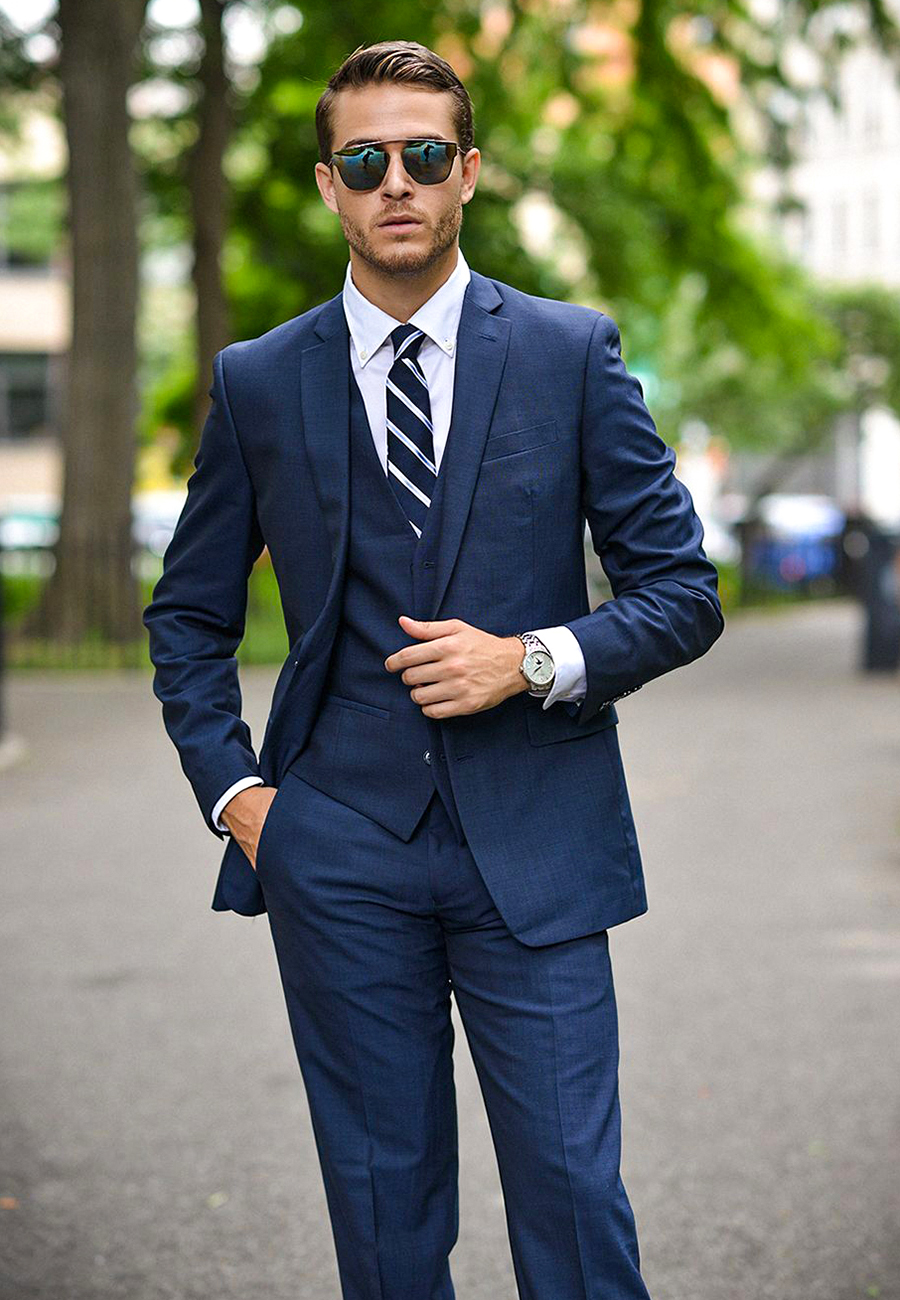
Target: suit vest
{"type": "Point", "coordinates": [371, 747]}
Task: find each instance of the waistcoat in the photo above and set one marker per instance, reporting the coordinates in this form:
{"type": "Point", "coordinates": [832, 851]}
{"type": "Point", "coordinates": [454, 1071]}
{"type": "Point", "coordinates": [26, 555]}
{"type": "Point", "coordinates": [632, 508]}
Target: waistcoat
{"type": "Point", "coordinates": [371, 747]}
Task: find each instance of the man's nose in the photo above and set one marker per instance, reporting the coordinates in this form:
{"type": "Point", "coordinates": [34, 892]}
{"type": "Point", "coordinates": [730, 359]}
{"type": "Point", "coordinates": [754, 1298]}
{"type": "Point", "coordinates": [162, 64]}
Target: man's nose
{"type": "Point", "coordinates": [396, 179]}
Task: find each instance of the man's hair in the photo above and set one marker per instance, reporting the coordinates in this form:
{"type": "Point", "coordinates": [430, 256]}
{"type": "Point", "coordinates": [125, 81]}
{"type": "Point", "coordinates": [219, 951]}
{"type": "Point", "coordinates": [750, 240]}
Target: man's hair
{"type": "Point", "coordinates": [401, 61]}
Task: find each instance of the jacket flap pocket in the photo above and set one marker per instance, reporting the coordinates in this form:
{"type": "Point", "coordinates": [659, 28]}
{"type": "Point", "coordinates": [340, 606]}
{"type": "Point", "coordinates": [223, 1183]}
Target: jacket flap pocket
{"type": "Point", "coordinates": [556, 723]}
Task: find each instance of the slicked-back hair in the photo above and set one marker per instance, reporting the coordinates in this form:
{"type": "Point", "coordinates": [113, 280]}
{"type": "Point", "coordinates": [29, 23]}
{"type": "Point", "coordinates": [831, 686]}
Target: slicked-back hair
{"type": "Point", "coordinates": [406, 62]}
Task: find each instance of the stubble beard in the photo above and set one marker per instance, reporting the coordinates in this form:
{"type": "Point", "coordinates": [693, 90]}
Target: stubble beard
{"type": "Point", "coordinates": [405, 262]}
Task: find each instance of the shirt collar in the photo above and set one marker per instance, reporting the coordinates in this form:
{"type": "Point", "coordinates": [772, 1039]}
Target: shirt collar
{"type": "Point", "coordinates": [438, 318]}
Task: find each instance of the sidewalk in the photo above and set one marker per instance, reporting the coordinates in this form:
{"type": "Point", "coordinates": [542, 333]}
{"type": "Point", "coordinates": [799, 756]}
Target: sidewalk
{"type": "Point", "coordinates": [155, 1140]}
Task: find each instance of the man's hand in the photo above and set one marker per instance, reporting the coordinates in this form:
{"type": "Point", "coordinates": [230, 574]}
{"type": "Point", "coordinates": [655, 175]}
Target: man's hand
{"type": "Point", "coordinates": [245, 814]}
{"type": "Point", "coordinates": [457, 668]}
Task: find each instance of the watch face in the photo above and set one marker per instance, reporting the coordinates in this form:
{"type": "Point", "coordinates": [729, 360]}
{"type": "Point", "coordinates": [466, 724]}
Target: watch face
{"type": "Point", "coordinates": [538, 667]}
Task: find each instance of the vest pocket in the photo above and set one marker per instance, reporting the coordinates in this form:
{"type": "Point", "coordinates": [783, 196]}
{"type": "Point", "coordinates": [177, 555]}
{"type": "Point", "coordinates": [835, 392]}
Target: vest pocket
{"type": "Point", "coordinates": [346, 703]}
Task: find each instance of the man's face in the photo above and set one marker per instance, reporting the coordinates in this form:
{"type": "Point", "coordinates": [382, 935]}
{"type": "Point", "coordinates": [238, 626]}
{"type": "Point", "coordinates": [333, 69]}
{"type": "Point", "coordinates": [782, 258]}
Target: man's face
{"type": "Point", "coordinates": [397, 112]}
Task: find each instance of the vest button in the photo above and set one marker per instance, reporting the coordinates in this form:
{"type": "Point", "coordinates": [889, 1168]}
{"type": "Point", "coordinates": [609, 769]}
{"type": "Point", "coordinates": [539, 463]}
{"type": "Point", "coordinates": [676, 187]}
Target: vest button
{"type": "Point", "coordinates": [427, 756]}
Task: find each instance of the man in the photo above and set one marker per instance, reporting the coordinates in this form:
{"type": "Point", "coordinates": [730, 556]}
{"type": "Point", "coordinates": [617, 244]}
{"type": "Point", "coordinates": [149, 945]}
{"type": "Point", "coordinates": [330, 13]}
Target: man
{"type": "Point", "coordinates": [439, 804]}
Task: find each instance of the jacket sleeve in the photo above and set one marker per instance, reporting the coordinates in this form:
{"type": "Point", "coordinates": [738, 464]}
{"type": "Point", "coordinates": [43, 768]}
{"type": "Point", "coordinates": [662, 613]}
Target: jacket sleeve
{"type": "Point", "coordinates": [665, 610]}
{"type": "Point", "coordinates": [197, 614]}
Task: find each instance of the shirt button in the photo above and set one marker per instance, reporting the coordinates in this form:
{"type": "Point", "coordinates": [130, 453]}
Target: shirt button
{"type": "Point", "coordinates": [427, 756]}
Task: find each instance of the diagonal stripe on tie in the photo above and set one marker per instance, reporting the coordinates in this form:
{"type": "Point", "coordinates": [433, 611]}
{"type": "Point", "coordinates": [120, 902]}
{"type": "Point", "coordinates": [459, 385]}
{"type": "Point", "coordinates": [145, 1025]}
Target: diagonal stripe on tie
{"type": "Point", "coordinates": [412, 468]}
{"type": "Point", "coordinates": [415, 406]}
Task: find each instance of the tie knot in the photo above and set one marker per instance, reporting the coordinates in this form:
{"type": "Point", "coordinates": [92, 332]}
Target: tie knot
{"type": "Point", "coordinates": [407, 339]}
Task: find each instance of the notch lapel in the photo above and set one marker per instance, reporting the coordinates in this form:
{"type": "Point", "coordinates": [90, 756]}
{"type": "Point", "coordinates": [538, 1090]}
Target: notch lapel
{"type": "Point", "coordinates": [482, 347]}
{"type": "Point", "coordinates": [482, 343]}
{"type": "Point", "coordinates": [325, 404]}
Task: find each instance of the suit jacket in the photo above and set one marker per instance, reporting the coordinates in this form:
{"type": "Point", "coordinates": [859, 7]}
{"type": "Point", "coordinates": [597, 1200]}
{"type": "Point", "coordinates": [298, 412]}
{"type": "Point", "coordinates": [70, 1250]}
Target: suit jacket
{"type": "Point", "coordinates": [548, 430]}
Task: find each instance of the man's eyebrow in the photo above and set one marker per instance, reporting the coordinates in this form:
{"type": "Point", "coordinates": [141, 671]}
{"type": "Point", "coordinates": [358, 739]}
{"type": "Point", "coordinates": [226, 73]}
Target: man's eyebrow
{"type": "Point", "coordinates": [365, 139]}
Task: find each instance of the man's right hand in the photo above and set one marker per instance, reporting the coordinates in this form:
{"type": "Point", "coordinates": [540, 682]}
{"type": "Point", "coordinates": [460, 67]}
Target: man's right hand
{"type": "Point", "coordinates": [245, 814]}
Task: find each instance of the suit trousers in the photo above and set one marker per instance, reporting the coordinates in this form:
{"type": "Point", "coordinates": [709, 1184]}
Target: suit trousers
{"type": "Point", "coordinates": [372, 934]}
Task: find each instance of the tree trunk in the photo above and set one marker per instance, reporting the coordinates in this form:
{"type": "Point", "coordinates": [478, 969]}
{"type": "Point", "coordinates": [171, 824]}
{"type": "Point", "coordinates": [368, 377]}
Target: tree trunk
{"type": "Point", "coordinates": [209, 202]}
{"type": "Point", "coordinates": [93, 591]}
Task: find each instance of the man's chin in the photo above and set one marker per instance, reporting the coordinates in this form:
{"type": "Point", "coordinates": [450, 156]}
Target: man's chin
{"type": "Point", "coordinates": [400, 261]}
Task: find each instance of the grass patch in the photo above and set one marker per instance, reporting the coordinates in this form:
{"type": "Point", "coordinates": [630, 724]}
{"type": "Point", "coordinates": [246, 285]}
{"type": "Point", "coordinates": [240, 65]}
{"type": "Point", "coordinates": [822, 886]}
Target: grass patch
{"type": "Point", "coordinates": [265, 638]}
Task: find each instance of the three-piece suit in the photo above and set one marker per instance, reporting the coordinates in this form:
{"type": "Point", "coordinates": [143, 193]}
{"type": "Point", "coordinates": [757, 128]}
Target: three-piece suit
{"type": "Point", "coordinates": [406, 858]}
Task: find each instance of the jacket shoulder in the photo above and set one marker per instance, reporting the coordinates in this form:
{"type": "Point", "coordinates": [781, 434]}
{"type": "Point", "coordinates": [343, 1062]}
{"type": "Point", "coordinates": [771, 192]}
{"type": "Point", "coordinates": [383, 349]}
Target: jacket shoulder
{"type": "Point", "coordinates": [289, 335]}
{"type": "Point", "coordinates": [532, 310]}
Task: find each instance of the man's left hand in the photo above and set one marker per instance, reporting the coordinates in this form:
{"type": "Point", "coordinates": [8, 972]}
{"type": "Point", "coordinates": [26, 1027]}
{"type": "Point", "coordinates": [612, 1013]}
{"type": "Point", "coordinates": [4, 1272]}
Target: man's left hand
{"type": "Point", "coordinates": [457, 668]}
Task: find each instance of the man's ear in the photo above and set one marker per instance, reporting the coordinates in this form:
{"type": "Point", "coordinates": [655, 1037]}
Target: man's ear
{"type": "Point", "coordinates": [325, 183]}
{"type": "Point", "coordinates": [471, 168]}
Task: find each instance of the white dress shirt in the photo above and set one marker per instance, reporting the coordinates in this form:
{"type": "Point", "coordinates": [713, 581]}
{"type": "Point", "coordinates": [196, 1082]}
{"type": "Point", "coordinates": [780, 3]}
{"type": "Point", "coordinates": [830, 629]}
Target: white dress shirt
{"type": "Point", "coordinates": [371, 356]}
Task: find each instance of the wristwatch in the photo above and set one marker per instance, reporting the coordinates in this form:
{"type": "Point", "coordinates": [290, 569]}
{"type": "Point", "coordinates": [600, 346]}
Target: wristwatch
{"type": "Point", "coordinates": [537, 667]}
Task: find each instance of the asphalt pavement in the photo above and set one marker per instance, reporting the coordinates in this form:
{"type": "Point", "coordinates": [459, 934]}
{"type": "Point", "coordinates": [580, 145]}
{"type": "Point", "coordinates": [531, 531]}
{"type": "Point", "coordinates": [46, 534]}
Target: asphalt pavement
{"type": "Point", "coordinates": [155, 1140]}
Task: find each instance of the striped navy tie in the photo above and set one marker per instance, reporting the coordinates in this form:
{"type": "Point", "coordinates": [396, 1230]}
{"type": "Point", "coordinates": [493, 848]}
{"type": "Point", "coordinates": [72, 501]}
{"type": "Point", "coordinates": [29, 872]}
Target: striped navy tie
{"type": "Point", "coordinates": [410, 444]}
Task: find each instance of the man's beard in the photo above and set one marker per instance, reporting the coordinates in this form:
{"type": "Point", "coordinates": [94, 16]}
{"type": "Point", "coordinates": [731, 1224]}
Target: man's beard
{"type": "Point", "coordinates": [405, 262]}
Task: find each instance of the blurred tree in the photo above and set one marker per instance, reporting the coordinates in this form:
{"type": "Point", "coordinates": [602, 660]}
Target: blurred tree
{"type": "Point", "coordinates": [209, 200]}
{"type": "Point", "coordinates": [92, 590]}
{"type": "Point", "coordinates": [624, 130]}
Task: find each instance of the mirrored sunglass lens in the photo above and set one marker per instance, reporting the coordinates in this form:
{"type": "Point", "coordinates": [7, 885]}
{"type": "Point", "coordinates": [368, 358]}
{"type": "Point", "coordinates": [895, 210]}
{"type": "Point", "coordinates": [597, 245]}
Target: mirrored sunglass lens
{"type": "Point", "coordinates": [363, 171]}
{"type": "Point", "coordinates": [428, 161]}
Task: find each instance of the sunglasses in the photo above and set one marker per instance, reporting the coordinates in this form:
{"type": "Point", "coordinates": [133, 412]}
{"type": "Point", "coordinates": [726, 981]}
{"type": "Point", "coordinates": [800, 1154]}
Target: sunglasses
{"type": "Point", "coordinates": [427, 162]}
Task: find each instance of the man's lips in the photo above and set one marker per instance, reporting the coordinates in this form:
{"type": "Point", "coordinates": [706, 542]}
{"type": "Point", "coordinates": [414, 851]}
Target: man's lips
{"type": "Point", "coordinates": [400, 221]}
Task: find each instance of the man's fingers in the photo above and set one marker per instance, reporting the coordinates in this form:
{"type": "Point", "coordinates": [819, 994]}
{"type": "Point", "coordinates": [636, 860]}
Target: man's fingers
{"type": "Point", "coordinates": [430, 628]}
{"type": "Point", "coordinates": [432, 693]}
{"type": "Point", "coordinates": [423, 653]}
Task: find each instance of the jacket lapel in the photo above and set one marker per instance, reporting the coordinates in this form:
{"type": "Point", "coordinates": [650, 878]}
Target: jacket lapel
{"type": "Point", "coordinates": [325, 403]}
{"type": "Point", "coordinates": [482, 346]}
{"type": "Point", "coordinates": [482, 343]}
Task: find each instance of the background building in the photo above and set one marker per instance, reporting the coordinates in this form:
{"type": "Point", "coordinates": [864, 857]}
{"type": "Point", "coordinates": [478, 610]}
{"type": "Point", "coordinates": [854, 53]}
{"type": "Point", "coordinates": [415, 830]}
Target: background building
{"type": "Point", "coordinates": [34, 316]}
{"type": "Point", "coordinates": [845, 229]}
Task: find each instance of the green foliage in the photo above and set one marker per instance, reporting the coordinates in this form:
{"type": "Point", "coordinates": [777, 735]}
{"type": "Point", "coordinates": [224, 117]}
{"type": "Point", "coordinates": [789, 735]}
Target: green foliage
{"type": "Point", "coordinates": [33, 214]}
{"type": "Point", "coordinates": [623, 122]}
{"type": "Point", "coordinates": [866, 320]}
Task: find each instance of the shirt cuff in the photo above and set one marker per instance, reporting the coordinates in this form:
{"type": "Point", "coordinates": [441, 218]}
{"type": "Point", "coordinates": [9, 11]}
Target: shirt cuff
{"type": "Point", "coordinates": [232, 790]}
{"type": "Point", "coordinates": [570, 682]}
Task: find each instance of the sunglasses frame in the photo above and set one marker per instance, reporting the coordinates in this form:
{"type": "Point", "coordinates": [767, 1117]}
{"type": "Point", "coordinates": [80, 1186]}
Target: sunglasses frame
{"type": "Point", "coordinates": [354, 150]}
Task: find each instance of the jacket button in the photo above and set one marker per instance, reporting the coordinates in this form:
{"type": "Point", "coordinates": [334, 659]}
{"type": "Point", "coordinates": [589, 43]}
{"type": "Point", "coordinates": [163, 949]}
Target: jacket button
{"type": "Point", "coordinates": [427, 756]}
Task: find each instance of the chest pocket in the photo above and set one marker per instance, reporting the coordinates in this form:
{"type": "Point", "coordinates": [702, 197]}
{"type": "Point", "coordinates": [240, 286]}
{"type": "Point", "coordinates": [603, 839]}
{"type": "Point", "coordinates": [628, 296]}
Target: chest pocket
{"type": "Point", "coordinates": [507, 444]}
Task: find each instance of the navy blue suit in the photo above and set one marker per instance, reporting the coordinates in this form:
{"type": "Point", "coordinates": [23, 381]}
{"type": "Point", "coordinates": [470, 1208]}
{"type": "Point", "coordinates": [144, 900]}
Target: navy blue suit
{"type": "Point", "coordinates": [405, 857]}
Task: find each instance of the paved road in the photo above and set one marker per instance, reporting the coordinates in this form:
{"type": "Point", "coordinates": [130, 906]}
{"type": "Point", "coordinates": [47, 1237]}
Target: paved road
{"type": "Point", "coordinates": [155, 1140]}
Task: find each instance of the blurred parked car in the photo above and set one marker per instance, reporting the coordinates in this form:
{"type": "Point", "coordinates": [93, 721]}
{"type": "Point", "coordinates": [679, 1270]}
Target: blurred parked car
{"type": "Point", "coordinates": [29, 521]}
{"type": "Point", "coordinates": [154, 516]}
{"type": "Point", "coordinates": [29, 527]}
{"type": "Point", "coordinates": [792, 540]}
